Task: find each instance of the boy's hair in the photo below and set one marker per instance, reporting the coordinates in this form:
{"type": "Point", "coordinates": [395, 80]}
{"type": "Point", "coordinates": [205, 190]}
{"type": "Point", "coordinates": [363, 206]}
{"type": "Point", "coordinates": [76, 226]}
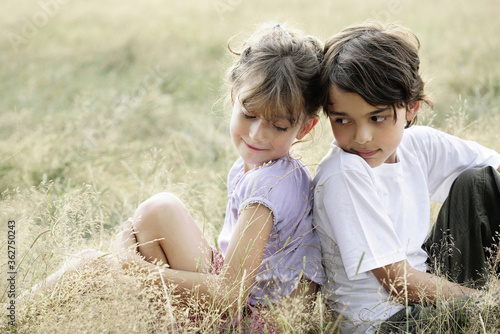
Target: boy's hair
{"type": "Point", "coordinates": [283, 67]}
{"type": "Point", "coordinates": [379, 63]}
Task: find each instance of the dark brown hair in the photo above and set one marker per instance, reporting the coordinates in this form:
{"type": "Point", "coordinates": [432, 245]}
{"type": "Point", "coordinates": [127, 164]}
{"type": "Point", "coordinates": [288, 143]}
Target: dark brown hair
{"type": "Point", "coordinates": [379, 63]}
{"type": "Point", "coordinates": [283, 67]}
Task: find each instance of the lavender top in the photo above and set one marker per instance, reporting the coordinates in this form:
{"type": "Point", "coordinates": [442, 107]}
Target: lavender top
{"type": "Point", "coordinates": [292, 252]}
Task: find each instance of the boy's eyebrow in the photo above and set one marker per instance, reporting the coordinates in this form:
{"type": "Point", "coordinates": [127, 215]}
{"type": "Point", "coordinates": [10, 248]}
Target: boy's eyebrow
{"type": "Point", "coordinates": [371, 113]}
{"type": "Point", "coordinates": [380, 110]}
{"type": "Point", "coordinates": [338, 113]}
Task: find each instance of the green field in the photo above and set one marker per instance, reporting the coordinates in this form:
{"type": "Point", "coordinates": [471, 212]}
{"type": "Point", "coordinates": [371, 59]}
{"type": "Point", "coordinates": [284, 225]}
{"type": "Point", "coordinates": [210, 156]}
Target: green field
{"type": "Point", "coordinates": [105, 103]}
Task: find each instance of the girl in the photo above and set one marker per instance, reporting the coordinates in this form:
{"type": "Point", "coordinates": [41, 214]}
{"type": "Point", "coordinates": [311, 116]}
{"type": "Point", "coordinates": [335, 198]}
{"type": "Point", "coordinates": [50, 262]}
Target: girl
{"type": "Point", "coordinates": [267, 243]}
{"type": "Point", "coordinates": [373, 189]}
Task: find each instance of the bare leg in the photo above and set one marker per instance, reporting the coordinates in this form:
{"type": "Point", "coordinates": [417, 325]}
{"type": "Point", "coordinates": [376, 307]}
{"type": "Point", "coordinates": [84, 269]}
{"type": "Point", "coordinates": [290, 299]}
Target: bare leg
{"type": "Point", "coordinates": [76, 264]}
{"type": "Point", "coordinates": [166, 232]}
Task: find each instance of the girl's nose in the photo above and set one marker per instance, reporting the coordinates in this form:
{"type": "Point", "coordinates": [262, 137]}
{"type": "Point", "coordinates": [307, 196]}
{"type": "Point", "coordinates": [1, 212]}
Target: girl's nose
{"type": "Point", "coordinates": [257, 130]}
{"type": "Point", "coordinates": [363, 135]}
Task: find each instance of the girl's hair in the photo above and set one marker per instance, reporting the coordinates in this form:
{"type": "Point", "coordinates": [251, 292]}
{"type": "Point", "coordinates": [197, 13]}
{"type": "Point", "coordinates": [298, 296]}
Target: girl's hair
{"type": "Point", "coordinates": [379, 63]}
{"type": "Point", "coordinates": [279, 70]}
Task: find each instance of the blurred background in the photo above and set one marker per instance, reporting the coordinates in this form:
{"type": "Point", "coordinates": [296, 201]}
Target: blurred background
{"type": "Point", "coordinates": [104, 103]}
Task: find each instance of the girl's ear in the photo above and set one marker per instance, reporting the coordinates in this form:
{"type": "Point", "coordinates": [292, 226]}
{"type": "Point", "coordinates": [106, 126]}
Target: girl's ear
{"type": "Point", "coordinates": [232, 98]}
{"type": "Point", "coordinates": [307, 127]}
{"type": "Point", "coordinates": [412, 110]}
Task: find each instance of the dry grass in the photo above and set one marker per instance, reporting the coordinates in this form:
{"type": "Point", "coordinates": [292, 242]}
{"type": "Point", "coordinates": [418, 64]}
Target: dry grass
{"type": "Point", "coordinates": [106, 102]}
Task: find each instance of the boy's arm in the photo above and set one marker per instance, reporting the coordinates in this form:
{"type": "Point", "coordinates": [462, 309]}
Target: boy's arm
{"type": "Point", "coordinates": [406, 284]}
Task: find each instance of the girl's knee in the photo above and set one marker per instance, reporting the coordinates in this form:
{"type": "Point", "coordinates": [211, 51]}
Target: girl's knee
{"type": "Point", "coordinates": [152, 210]}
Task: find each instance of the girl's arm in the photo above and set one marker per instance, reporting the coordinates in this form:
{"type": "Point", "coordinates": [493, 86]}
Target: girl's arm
{"type": "Point", "coordinates": [243, 258]}
{"type": "Point", "coordinates": [408, 285]}
{"type": "Point", "coordinates": [246, 249]}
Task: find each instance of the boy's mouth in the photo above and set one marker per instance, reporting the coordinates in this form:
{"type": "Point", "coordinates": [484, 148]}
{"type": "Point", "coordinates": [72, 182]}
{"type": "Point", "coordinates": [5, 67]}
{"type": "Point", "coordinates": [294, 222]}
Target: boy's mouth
{"type": "Point", "coordinates": [366, 153]}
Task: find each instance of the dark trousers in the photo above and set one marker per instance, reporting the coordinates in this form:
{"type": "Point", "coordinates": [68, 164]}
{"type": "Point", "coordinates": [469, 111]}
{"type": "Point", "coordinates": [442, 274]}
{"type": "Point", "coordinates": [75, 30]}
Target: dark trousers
{"type": "Point", "coordinates": [460, 247]}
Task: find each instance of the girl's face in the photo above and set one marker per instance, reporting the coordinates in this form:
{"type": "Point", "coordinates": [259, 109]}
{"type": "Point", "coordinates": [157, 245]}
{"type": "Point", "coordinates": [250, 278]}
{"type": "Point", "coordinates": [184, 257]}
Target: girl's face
{"type": "Point", "coordinates": [259, 140]}
{"type": "Point", "coordinates": [372, 132]}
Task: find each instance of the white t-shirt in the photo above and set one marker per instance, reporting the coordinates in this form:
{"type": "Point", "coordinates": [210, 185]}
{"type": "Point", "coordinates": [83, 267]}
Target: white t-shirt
{"type": "Point", "coordinates": [371, 217]}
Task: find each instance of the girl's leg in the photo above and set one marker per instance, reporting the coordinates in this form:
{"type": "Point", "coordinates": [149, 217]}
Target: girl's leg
{"type": "Point", "coordinates": [167, 233]}
{"type": "Point", "coordinates": [467, 227]}
{"type": "Point", "coordinates": [88, 258]}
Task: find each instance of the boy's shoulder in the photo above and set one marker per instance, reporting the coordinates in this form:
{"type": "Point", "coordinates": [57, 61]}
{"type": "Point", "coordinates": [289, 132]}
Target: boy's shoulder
{"type": "Point", "coordinates": [419, 130]}
{"type": "Point", "coordinates": [422, 133]}
{"type": "Point", "coordinates": [424, 140]}
{"type": "Point", "coordinates": [339, 164]}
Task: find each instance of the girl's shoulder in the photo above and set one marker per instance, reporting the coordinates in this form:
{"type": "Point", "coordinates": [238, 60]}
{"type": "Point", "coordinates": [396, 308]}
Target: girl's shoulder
{"type": "Point", "coordinates": [284, 166]}
{"type": "Point", "coordinates": [283, 175]}
{"type": "Point", "coordinates": [285, 170]}
{"type": "Point", "coordinates": [284, 186]}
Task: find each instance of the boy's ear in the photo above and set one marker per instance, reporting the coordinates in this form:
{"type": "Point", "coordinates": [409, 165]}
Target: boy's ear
{"type": "Point", "coordinates": [307, 127]}
{"type": "Point", "coordinates": [412, 110]}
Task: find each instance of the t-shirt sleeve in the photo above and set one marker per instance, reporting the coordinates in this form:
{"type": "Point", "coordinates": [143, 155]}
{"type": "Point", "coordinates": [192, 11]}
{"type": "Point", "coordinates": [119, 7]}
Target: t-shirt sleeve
{"type": "Point", "coordinates": [365, 237]}
{"type": "Point", "coordinates": [281, 191]}
{"type": "Point", "coordinates": [447, 156]}
{"type": "Point", "coordinates": [293, 250]}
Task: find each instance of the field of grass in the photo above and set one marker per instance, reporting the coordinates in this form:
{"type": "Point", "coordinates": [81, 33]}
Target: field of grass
{"type": "Point", "coordinates": [105, 103]}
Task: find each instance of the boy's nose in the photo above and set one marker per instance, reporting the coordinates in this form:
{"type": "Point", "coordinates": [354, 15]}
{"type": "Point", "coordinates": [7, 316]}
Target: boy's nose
{"type": "Point", "coordinates": [257, 130]}
{"type": "Point", "coordinates": [363, 135]}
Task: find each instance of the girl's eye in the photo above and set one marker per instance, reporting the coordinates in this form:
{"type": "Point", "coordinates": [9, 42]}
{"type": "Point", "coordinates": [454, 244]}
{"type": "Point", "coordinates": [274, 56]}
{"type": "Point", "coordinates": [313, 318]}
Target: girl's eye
{"type": "Point", "coordinates": [378, 118]}
{"type": "Point", "coordinates": [279, 128]}
{"type": "Point", "coordinates": [281, 124]}
{"type": "Point", "coordinates": [247, 116]}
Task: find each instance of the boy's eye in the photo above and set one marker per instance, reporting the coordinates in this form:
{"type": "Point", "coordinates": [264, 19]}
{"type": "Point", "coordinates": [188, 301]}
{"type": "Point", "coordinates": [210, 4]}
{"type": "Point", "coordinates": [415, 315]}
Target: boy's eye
{"type": "Point", "coordinates": [341, 120]}
{"type": "Point", "coordinates": [378, 118]}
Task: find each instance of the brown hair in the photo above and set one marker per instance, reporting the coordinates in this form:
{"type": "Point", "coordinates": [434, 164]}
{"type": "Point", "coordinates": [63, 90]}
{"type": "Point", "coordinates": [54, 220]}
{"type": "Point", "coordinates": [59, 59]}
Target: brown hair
{"type": "Point", "coordinates": [379, 63]}
{"type": "Point", "coordinates": [284, 69]}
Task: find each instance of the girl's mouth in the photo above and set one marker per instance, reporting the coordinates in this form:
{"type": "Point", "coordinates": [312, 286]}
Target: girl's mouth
{"type": "Point", "coordinates": [253, 148]}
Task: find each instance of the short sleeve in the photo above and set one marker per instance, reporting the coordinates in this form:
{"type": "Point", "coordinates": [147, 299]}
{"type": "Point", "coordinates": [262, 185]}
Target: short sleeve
{"type": "Point", "coordinates": [293, 251]}
{"type": "Point", "coordinates": [366, 238]}
{"type": "Point", "coordinates": [350, 208]}
{"type": "Point", "coordinates": [286, 191]}
{"type": "Point", "coordinates": [447, 156]}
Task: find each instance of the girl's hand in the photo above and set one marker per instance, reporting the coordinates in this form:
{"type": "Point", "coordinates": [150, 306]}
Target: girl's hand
{"type": "Point", "coordinates": [126, 244]}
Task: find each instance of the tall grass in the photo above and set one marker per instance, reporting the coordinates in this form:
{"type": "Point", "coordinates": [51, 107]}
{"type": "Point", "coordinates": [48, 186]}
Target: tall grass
{"type": "Point", "coordinates": [105, 103]}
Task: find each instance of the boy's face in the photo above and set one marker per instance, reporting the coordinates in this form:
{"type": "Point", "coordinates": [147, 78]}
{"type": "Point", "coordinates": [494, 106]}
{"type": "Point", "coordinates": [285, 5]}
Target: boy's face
{"type": "Point", "coordinates": [372, 132]}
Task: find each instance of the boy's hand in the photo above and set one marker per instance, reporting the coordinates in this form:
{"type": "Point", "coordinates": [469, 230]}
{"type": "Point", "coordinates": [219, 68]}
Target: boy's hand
{"type": "Point", "coordinates": [408, 285]}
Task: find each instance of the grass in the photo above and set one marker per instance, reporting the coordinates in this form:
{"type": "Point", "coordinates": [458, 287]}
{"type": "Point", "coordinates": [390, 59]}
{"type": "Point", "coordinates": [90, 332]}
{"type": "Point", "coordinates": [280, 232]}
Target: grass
{"type": "Point", "coordinates": [106, 103]}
